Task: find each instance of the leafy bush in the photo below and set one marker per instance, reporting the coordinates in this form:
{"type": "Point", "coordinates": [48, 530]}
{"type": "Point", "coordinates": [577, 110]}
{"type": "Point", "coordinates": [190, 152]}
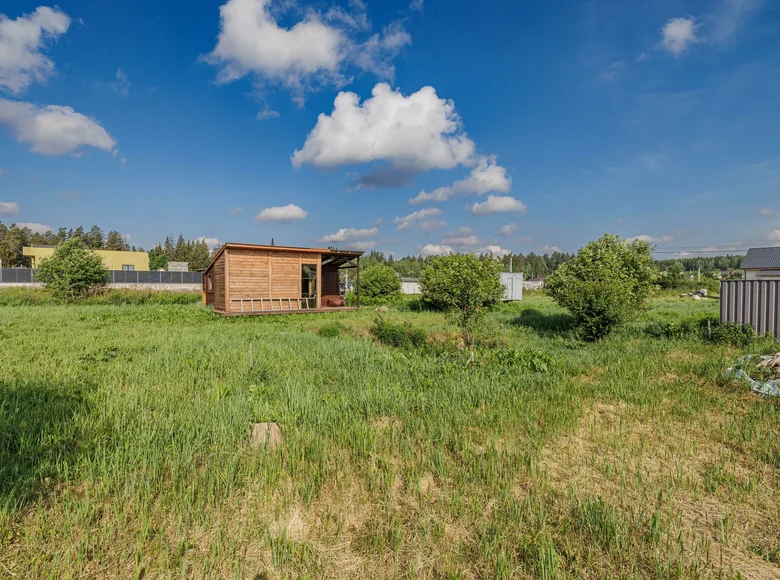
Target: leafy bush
{"type": "Point", "coordinates": [380, 281]}
{"type": "Point", "coordinates": [72, 271]}
{"type": "Point", "coordinates": [608, 282]}
{"type": "Point", "coordinates": [398, 335]}
{"type": "Point", "coordinates": [330, 330]}
{"type": "Point", "coordinates": [693, 327]}
{"type": "Point", "coordinates": [733, 334]}
{"type": "Point", "coordinates": [466, 286]}
{"type": "Point", "coordinates": [530, 360]}
{"type": "Point", "coordinates": [20, 296]}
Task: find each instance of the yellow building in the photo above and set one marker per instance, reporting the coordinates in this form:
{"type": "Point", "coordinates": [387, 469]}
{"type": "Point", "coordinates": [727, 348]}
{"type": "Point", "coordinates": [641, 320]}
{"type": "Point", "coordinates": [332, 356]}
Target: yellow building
{"type": "Point", "coordinates": [133, 261]}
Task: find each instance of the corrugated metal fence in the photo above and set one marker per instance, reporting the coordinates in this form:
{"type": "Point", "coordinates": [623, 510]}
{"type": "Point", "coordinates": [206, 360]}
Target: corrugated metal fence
{"type": "Point", "coordinates": [754, 302]}
{"type": "Point", "coordinates": [25, 276]}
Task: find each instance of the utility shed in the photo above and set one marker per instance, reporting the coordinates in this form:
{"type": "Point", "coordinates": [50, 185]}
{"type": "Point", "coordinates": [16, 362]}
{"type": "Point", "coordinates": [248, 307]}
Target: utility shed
{"type": "Point", "coordinates": [247, 279]}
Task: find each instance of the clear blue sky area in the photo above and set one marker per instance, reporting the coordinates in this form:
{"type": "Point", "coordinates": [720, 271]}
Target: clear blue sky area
{"type": "Point", "coordinates": [422, 127]}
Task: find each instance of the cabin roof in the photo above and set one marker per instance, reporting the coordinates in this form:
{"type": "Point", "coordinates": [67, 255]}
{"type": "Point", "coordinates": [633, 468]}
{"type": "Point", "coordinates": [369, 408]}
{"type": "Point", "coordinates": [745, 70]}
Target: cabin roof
{"type": "Point", "coordinates": [761, 258]}
{"type": "Point", "coordinates": [337, 256]}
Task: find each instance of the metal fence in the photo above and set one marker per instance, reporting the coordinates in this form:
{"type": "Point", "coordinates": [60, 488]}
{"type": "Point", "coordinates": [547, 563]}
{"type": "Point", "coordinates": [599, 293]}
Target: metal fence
{"type": "Point", "coordinates": [754, 302]}
{"type": "Point", "coordinates": [26, 276]}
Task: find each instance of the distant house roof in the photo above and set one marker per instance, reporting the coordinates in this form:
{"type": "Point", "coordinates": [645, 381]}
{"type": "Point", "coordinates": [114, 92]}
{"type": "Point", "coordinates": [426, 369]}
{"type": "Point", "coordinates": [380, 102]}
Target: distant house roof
{"type": "Point", "coordinates": [760, 258]}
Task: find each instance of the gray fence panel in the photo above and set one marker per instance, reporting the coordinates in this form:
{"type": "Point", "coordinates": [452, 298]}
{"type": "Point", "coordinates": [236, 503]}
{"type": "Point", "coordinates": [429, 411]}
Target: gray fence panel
{"type": "Point", "coordinates": [16, 275]}
{"type": "Point", "coordinates": [27, 276]}
{"type": "Point", "coordinates": [754, 302]}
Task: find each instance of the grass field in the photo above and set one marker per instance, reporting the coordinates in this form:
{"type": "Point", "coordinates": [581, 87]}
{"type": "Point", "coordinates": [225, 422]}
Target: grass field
{"type": "Point", "coordinates": [124, 449]}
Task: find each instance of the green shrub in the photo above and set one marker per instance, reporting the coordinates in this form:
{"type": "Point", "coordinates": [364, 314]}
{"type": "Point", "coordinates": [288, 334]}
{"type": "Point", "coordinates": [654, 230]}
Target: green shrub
{"type": "Point", "coordinates": [398, 335]}
{"type": "Point", "coordinates": [72, 271]}
{"type": "Point", "coordinates": [733, 334]}
{"type": "Point", "coordinates": [608, 282]}
{"type": "Point", "coordinates": [330, 330]}
{"type": "Point", "coordinates": [466, 286]}
{"type": "Point", "coordinates": [380, 281]}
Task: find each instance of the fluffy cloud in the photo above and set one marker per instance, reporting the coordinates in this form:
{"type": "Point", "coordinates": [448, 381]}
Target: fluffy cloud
{"type": "Point", "coordinates": [435, 250]}
{"type": "Point", "coordinates": [496, 251]}
{"type": "Point", "coordinates": [650, 239]}
{"type": "Point", "coordinates": [34, 227]}
{"type": "Point", "coordinates": [486, 177]}
{"type": "Point", "coordinates": [460, 238]}
{"type": "Point", "coordinates": [53, 130]}
{"type": "Point", "coordinates": [547, 249]}
{"type": "Point", "coordinates": [313, 51]}
{"type": "Point", "coordinates": [767, 211]}
{"type": "Point", "coordinates": [211, 242]}
{"type": "Point", "coordinates": [345, 234]}
{"type": "Point", "coordinates": [678, 34]}
{"type": "Point", "coordinates": [420, 216]}
{"type": "Point", "coordinates": [420, 131]}
{"type": "Point", "coordinates": [236, 210]}
{"type": "Point", "coordinates": [774, 236]}
{"type": "Point", "coordinates": [496, 204]}
{"type": "Point", "coordinates": [508, 229]}
{"type": "Point", "coordinates": [287, 213]}
{"type": "Point", "coordinates": [21, 43]}
{"type": "Point", "coordinates": [9, 208]}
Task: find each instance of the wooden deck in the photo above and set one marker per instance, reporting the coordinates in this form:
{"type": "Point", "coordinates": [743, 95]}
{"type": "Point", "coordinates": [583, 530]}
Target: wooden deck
{"type": "Point", "coordinates": [285, 312]}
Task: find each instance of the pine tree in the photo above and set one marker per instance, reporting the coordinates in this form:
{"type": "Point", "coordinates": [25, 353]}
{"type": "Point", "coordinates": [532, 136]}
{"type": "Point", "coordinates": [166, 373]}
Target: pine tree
{"type": "Point", "coordinates": [168, 250]}
{"type": "Point", "coordinates": [180, 253]}
{"type": "Point", "coordinates": [95, 238]}
{"type": "Point", "coordinates": [114, 241]}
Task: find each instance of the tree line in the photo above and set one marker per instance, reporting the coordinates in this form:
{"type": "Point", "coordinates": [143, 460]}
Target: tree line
{"type": "Point", "coordinates": [13, 239]}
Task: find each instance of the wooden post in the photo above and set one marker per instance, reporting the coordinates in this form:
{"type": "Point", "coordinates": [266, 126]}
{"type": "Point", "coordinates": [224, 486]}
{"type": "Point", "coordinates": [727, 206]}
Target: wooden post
{"type": "Point", "coordinates": [357, 287]}
{"type": "Point", "coordinates": [318, 302]}
{"type": "Point", "coordinates": [251, 357]}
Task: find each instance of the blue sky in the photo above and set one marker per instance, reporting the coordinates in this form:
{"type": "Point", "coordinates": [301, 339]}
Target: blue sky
{"type": "Point", "coordinates": [421, 127]}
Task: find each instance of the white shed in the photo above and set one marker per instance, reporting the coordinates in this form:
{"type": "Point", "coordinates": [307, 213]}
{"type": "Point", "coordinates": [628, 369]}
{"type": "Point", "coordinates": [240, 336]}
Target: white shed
{"type": "Point", "coordinates": [513, 286]}
{"type": "Point", "coordinates": [410, 285]}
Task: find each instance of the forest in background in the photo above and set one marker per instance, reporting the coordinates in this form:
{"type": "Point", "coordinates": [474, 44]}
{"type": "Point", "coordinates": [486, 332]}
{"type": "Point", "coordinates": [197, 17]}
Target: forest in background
{"type": "Point", "coordinates": [197, 254]}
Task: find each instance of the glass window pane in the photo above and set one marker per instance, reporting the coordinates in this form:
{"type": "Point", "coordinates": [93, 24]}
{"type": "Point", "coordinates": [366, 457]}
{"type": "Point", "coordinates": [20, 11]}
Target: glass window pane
{"type": "Point", "coordinates": [308, 280]}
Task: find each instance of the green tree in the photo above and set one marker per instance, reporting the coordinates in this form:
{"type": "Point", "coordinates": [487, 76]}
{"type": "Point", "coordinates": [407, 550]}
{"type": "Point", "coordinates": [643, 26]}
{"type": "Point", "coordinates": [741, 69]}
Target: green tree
{"type": "Point", "coordinates": [466, 286]}
{"type": "Point", "coordinates": [115, 241]}
{"type": "Point", "coordinates": [380, 281]}
{"type": "Point", "coordinates": [200, 256]}
{"type": "Point", "coordinates": [157, 259]}
{"type": "Point", "coordinates": [72, 271]}
{"type": "Point", "coordinates": [94, 238]}
{"type": "Point", "coordinates": [604, 285]}
{"type": "Point", "coordinates": [673, 276]}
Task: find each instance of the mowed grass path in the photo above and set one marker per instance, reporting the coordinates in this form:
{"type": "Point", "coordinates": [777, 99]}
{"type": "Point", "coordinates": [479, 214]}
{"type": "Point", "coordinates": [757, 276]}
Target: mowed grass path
{"type": "Point", "coordinates": [124, 450]}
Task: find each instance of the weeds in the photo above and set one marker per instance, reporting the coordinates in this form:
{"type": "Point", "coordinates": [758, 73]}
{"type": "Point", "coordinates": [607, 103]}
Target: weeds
{"type": "Point", "coordinates": [398, 335]}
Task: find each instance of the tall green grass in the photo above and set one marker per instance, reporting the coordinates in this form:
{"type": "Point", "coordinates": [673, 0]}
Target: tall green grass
{"type": "Point", "coordinates": [124, 446]}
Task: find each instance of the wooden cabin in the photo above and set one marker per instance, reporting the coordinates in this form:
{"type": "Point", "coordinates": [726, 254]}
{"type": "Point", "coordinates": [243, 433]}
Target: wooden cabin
{"type": "Point", "coordinates": [246, 279]}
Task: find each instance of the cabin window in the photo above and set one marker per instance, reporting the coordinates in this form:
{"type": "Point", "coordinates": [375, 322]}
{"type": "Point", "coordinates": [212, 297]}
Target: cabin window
{"type": "Point", "coordinates": [209, 283]}
{"type": "Point", "coordinates": [308, 280]}
{"type": "Point", "coordinates": [128, 268]}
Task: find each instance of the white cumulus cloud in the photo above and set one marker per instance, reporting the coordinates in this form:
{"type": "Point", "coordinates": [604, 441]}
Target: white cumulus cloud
{"type": "Point", "coordinates": [420, 131]}
{"type": "Point", "coordinates": [22, 41]}
{"type": "Point", "coordinates": [435, 250]}
{"type": "Point", "coordinates": [34, 227]}
{"type": "Point", "coordinates": [678, 33]}
{"type": "Point", "coordinates": [313, 51]}
{"type": "Point", "coordinates": [363, 246]}
{"type": "Point", "coordinates": [460, 238]}
{"type": "Point", "coordinates": [493, 250]}
{"type": "Point", "coordinates": [9, 208]}
{"type": "Point", "coordinates": [419, 216]}
{"type": "Point", "coordinates": [508, 229]}
{"type": "Point", "coordinates": [650, 239]}
{"type": "Point", "coordinates": [486, 177]}
{"type": "Point", "coordinates": [236, 210]}
{"type": "Point", "coordinates": [548, 249]}
{"type": "Point", "coordinates": [287, 213]}
{"type": "Point", "coordinates": [498, 204]}
{"type": "Point", "coordinates": [53, 130]}
{"type": "Point", "coordinates": [211, 242]}
{"type": "Point", "coordinates": [345, 234]}
{"type": "Point", "coordinates": [774, 236]}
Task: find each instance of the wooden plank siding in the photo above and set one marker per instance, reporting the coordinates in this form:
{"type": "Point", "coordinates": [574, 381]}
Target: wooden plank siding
{"type": "Point", "coordinates": [257, 274]}
{"type": "Point", "coordinates": [219, 283]}
{"type": "Point", "coordinates": [246, 278]}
